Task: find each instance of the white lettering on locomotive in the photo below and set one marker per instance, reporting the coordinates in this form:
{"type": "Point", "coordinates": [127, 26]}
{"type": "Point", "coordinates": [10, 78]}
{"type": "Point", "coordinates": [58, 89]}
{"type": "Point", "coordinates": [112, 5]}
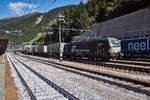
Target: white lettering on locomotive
{"type": "Point", "coordinates": [73, 48]}
{"type": "Point", "coordinates": [82, 50]}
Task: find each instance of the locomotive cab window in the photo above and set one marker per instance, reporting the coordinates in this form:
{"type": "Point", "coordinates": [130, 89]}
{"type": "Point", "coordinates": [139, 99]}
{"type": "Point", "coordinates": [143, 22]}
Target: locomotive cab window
{"type": "Point", "coordinates": [114, 42]}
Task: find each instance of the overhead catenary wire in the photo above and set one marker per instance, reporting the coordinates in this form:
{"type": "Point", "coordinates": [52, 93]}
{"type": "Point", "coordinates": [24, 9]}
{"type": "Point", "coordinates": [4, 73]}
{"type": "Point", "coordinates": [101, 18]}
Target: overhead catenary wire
{"type": "Point", "coordinates": [28, 3]}
{"type": "Point", "coordinates": [41, 4]}
{"type": "Point", "coordinates": [32, 5]}
{"type": "Point", "coordinates": [50, 5]}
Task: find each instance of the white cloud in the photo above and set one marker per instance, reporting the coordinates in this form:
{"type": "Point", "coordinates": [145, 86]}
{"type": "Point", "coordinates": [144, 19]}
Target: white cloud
{"type": "Point", "coordinates": [19, 7]}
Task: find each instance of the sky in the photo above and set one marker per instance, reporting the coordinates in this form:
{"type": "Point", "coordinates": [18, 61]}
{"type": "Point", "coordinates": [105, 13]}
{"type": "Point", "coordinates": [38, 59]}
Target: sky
{"type": "Point", "coordinates": [13, 8]}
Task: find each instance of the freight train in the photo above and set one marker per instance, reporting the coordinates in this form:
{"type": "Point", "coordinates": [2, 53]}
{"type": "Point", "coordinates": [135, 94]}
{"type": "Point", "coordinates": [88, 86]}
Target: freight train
{"type": "Point", "coordinates": [97, 48]}
{"type": "Point", "coordinates": [91, 48]}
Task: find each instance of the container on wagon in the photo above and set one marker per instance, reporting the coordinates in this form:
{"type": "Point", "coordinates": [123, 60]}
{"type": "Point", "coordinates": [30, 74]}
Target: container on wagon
{"type": "Point", "coordinates": [136, 46]}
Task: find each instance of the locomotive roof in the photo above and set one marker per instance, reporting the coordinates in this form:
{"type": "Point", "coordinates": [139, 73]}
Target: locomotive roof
{"type": "Point", "coordinates": [90, 39]}
{"type": "Point", "coordinates": [137, 38]}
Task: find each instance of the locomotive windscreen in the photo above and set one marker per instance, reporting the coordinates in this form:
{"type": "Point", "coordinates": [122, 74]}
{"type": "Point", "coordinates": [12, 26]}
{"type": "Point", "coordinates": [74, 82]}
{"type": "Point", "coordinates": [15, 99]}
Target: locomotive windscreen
{"type": "Point", "coordinates": [114, 42]}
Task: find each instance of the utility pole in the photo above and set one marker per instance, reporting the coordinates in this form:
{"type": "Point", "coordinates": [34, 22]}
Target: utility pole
{"type": "Point", "coordinates": [60, 52]}
{"type": "Point", "coordinates": [50, 33]}
{"type": "Point", "coordinates": [61, 18]}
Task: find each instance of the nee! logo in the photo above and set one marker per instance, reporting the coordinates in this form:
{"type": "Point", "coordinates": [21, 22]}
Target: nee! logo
{"type": "Point", "coordinates": [139, 45]}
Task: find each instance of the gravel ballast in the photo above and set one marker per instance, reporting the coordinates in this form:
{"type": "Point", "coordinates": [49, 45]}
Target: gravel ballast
{"type": "Point", "coordinates": [82, 87]}
{"type": "Point", "coordinates": [39, 88]}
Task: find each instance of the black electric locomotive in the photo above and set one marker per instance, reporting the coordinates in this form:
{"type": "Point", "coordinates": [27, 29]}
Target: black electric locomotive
{"type": "Point", "coordinates": [93, 48]}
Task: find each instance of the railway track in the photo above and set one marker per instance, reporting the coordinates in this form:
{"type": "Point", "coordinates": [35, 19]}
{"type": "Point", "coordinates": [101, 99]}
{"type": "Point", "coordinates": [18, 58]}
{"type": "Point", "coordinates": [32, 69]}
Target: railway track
{"type": "Point", "coordinates": [136, 85]}
{"type": "Point", "coordinates": [37, 86]}
{"type": "Point", "coordinates": [134, 67]}
{"type": "Point", "coordinates": [127, 66]}
{"type": "Point", "coordinates": [32, 96]}
{"type": "Point", "coordinates": [141, 63]}
{"type": "Point", "coordinates": [124, 65]}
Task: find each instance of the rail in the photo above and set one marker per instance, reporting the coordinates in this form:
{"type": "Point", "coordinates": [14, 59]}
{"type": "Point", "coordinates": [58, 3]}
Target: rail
{"type": "Point", "coordinates": [32, 96]}
{"type": "Point", "coordinates": [55, 86]}
{"type": "Point", "coordinates": [117, 65]}
{"type": "Point", "coordinates": [127, 86]}
{"type": "Point", "coordinates": [142, 63]}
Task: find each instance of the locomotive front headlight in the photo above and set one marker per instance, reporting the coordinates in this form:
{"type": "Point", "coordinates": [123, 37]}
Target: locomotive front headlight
{"type": "Point", "coordinates": [114, 50]}
{"type": "Point", "coordinates": [110, 50]}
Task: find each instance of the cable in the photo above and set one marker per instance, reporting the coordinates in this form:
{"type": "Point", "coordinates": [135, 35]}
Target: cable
{"type": "Point", "coordinates": [34, 2]}
{"type": "Point", "coordinates": [27, 6]}
{"type": "Point", "coordinates": [50, 5]}
{"type": "Point", "coordinates": [42, 3]}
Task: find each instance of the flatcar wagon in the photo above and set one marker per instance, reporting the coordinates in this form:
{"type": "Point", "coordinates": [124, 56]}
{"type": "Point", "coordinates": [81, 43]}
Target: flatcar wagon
{"type": "Point", "coordinates": [55, 49]}
{"type": "Point", "coordinates": [45, 50]}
